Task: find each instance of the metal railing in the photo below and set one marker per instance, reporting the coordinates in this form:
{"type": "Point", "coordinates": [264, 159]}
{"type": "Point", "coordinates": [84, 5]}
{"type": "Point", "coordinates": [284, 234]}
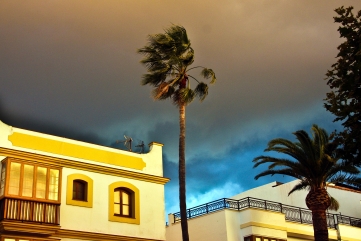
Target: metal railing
{"type": "Point", "coordinates": [31, 211]}
{"type": "Point", "coordinates": [293, 214]}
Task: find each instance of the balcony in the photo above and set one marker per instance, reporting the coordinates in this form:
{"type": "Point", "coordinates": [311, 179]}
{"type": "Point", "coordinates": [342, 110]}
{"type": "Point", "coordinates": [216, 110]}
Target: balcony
{"type": "Point", "coordinates": [292, 214]}
{"type": "Point", "coordinates": [29, 211]}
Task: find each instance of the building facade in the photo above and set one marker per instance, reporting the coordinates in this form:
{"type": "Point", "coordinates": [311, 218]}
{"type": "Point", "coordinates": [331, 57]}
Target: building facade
{"type": "Point", "coordinates": [267, 213]}
{"type": "Point", "coordinates": [53, 188]}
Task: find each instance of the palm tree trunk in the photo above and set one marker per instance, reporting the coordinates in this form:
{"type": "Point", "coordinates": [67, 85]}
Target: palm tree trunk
{"type": "Point", "coordinates": [320, 230]}
{"type": "Point", "coordinates": [182, 172]}
{"type": "Point", "coordinates": [318, 200]}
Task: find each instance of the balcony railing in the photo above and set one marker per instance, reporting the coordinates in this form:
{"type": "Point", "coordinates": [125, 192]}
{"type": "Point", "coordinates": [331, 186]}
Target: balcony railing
{"type": "Point", "coordinates": [293, 214]}
{"type": "Point", "coordinates": [31, 211]}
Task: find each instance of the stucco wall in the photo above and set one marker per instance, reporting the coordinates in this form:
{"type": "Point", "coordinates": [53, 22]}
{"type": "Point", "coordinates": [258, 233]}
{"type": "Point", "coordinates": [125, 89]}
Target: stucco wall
{"type": "Point", "coordinates": [211, 227]}
{"type": "Point", "coordinates": [350, 204]}
{"type": "Point", "coordinates": [95, 219]}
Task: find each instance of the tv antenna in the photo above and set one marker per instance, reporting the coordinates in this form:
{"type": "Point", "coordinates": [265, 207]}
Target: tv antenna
{"type": "Point", "coordinates": [141, 146]}
{"type": "Point", "coordinates": [127, 142]}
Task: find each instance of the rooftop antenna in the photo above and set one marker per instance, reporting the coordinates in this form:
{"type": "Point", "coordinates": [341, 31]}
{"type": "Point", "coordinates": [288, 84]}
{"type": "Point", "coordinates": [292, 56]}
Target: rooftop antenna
{"type": "Point", "coordinates": [127, 142]}
{"type": "Point", "coordinates": [141, 145]}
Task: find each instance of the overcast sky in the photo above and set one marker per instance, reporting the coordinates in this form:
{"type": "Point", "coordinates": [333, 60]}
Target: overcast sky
{"type": "Point", "coordinates": [70, 68]}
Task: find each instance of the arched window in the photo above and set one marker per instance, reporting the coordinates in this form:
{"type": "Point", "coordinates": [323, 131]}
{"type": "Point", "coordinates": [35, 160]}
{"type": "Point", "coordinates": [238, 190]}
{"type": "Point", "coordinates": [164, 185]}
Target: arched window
{"type": "Point", "coordinates": [80, 188]}
{"type": "Point", "coordinates": [123, 202]}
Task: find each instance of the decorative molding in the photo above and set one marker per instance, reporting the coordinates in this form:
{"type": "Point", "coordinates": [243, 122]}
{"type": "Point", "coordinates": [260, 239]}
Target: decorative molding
{"type": "Point", "coordinates": [60, 162]}
{"type": "Point", "coordinates": [263, 225]}
{"type": "Point", "coordinates": [75, 150]}
{"type": "Point", "coordinates": [155, 144]}
{"type": "Point", "coordinates": [42, 229]}
{"type": "Point", "coordinates": [64, 233]}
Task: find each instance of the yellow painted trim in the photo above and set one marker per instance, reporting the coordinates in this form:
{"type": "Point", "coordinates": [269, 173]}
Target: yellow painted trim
{"type": "Point", "coordinates": [69, 191]}
{"type": "Point", "coordinates": [136, 218]}
{"type": "Point", "coordinates": [60, 162]}
{"type": "Point", "coordinates": [11, 226]}
{"type": "Point", "coordinates": [282, 228]}
{"type": "Point", "coordinates": [72, 234]}
{"type": "Point", "coordinates": [155, 144]}
{"type": "Point", "coordinates": [74, 150]}
{"type": "Point", "coordinates": [263, 225]}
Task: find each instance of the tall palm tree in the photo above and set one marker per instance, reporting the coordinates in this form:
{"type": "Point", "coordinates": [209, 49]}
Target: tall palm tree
{"type": "Point", "coordinates": [314, 163]}
{"type": "Point", "coordinates": [168, 57]}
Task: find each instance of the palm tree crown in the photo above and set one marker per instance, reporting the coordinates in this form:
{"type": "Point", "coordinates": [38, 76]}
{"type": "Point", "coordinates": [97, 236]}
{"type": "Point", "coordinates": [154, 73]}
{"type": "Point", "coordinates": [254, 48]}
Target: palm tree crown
{"type": "Point", "coordinates": [314, 163]}
{"type": "Point", "coordinates": [167, 58]}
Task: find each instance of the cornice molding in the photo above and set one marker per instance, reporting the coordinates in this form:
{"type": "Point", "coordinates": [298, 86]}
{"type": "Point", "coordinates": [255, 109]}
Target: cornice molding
{"type": "Point", "coordinates": [60, 162]}
{"type": "Point", "coordinates": [42, 229]}
{"type": "Point", "coordinates": [263, 225]}
{"type": "Point", "coordinates": [65, 233]}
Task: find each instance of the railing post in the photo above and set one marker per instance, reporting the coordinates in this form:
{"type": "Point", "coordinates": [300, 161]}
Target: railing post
{"type": "Point", "coordinates": [189, 213]}
{"type": "Point", "coordinates": [224, 203]}
{"type": "Point", "coordinates": [249, 204]}
{"type": "Point", "coordinates": [265, 204]}
{"type": "Point", "coordinates": [238, 205]}
{"type": "Point", "coordinates": [300, 214]}
{"type": "Point", "coordinates": [281, 207]}
{"type": "Point", "coordinates": [206, 207]}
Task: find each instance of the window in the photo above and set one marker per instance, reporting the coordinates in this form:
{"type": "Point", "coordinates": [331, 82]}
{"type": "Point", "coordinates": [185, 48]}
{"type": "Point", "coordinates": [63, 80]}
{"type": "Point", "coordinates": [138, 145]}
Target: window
{"type": "Point", "coordinates": [124, 203]}
{"type": "Point", "coordinates": [79, 190]}
{"type": "Point", "coordinates": [2, 179]}
{"type": "Point", "coordinates": [31, 181]}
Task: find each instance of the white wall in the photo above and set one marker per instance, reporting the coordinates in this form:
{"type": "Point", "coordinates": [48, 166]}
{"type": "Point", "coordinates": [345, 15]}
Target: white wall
{"type": "Point", "coordinates": [349, 201]}
{"type": "Point", "coordinates": [95, 219]}
{"type": "Point", "coordinates": [210, 227]}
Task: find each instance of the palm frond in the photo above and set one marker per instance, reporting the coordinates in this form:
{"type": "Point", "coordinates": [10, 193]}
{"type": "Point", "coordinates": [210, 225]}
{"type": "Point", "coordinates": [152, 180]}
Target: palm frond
{"type": "Point", "coordinates": [153, 79]}
{"type": "Point", "coordinates": [334, 204]}
{"type": "Point", "coordinates": [201, 91]}
{"type": "Point", "coordinates": [302, 185]}
{"type": "Point", "coordinates": [188, 57]}
{"type": "Point", "coordinates": [183, 96]}
{"type": "Point", "coordinates": [208, 73]}
{"type": "Point", "coordinates": [285, 171]}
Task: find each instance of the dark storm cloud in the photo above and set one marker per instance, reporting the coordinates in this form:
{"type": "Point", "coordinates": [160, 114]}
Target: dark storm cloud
{"type": "Point", "coordinates": [70, 68]}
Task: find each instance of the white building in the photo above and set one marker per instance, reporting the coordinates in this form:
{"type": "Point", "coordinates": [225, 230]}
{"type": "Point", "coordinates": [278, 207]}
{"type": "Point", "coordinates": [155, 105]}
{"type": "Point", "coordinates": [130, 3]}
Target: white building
{"type": "Point", "coordinates": [267, 213]}
{"type": "Point", "coordinates": [54, 188]}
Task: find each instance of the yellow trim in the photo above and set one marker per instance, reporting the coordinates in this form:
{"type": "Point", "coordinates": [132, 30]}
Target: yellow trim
{"type": "Point", "coordinates": [136, 218]}
{"type": "Point", "coordinates": [37, 158]}
{"type": "Point", "coordinates": [69, 191]}
{"type": "Point", "coordinates": [75, 150]}
{"type": "Point", "coordinates": [72, 234]}
{"type": "Point", "coordinates": [282, 228]}
{"type": "Point", "coordinates": [155, 144]}
{"type": "Point", "coordinates": [263, 225]}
